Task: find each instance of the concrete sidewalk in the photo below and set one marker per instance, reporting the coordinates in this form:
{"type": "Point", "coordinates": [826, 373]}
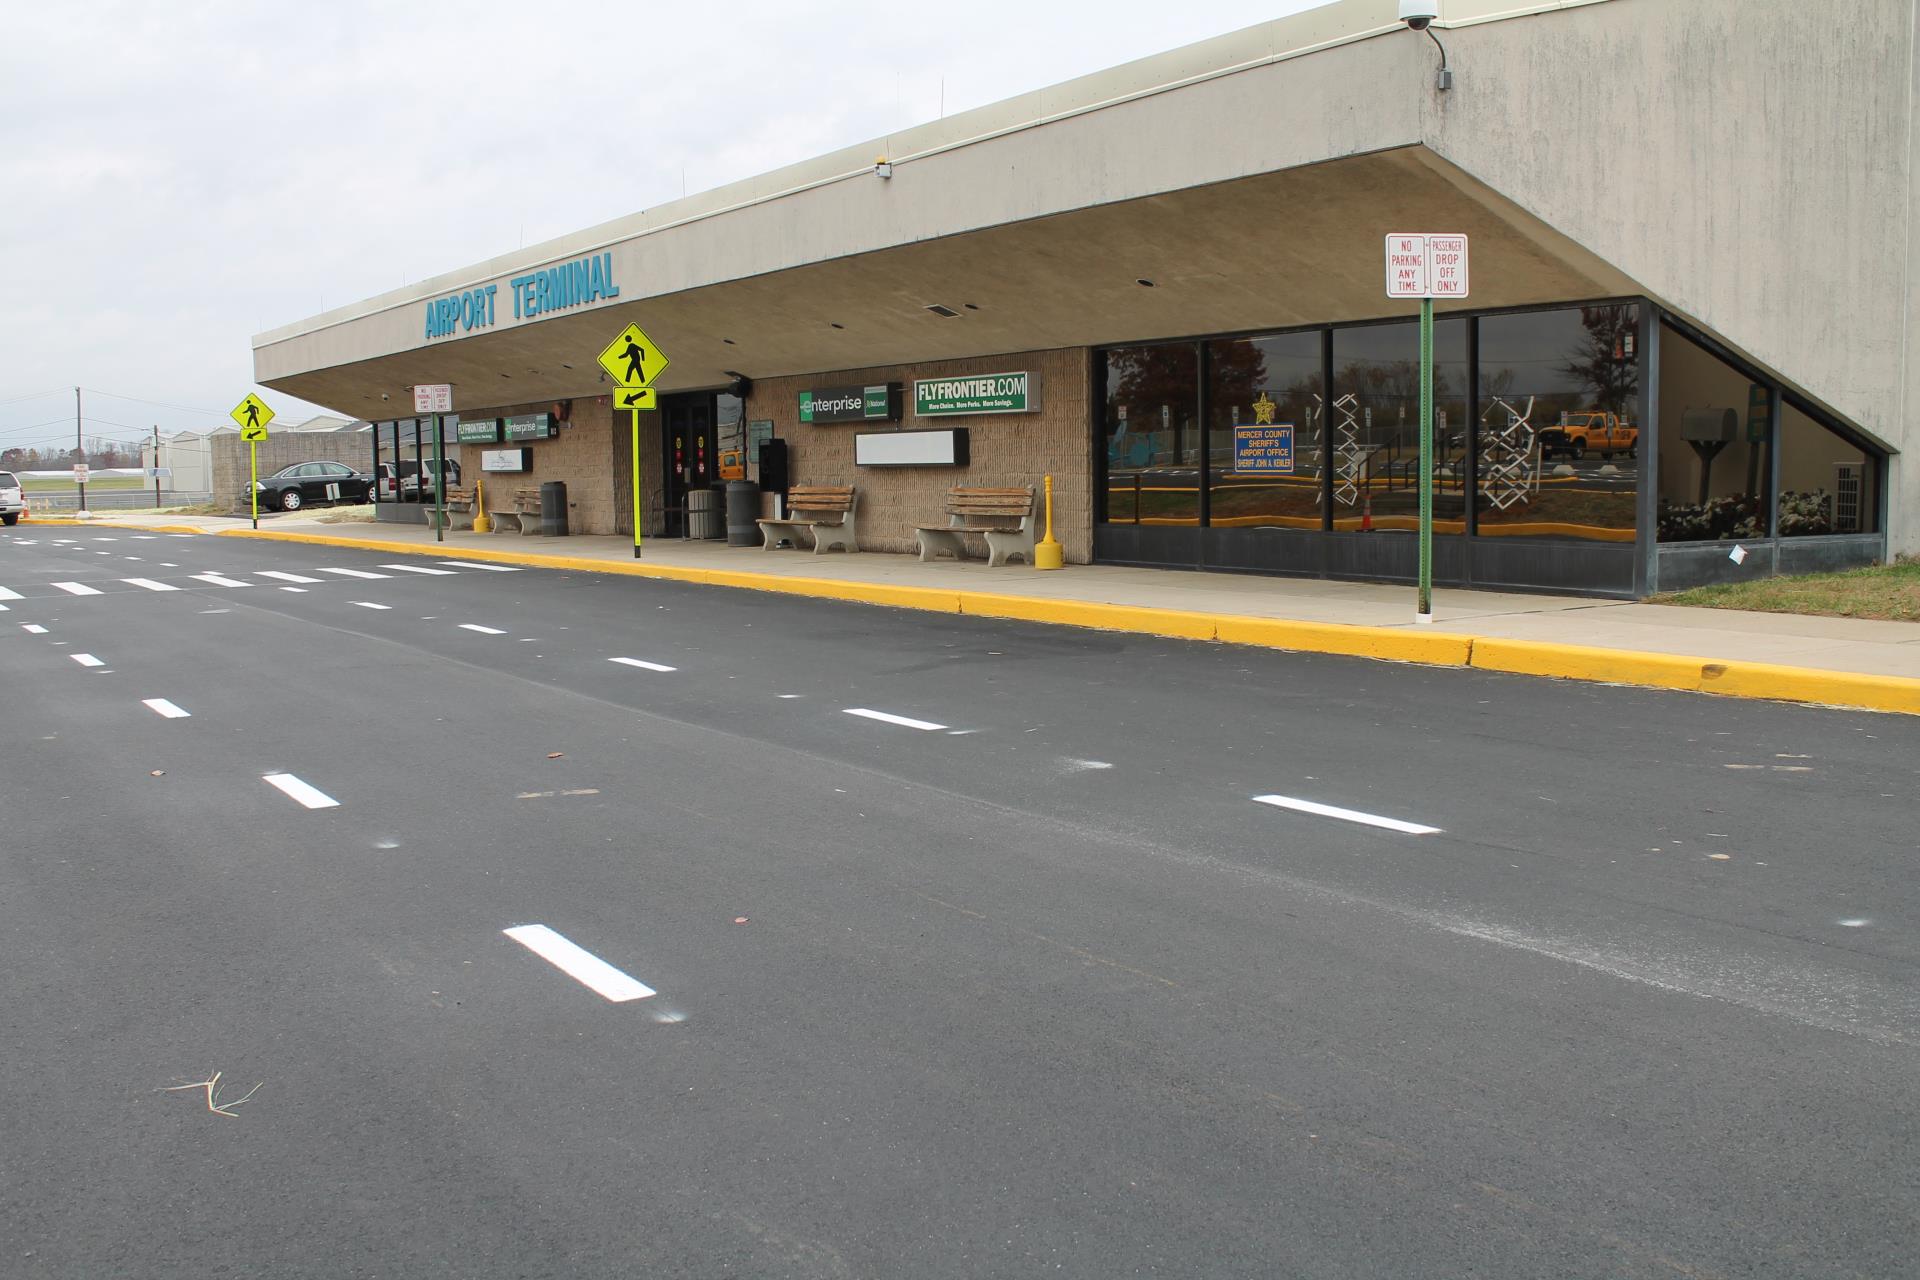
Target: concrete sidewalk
{"type": "Point", "coordinates": [1840, 660]}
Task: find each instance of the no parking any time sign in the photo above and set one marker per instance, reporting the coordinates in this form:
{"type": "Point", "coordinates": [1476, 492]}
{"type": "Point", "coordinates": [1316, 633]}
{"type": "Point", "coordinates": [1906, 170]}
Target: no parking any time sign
{"type": "Point", "coordinates": [1426, 265]}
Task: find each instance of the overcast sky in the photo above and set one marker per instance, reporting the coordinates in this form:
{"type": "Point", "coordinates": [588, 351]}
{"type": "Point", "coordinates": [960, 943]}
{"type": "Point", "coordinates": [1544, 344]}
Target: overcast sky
{"type": "Point", "coordinates": [175, 178]}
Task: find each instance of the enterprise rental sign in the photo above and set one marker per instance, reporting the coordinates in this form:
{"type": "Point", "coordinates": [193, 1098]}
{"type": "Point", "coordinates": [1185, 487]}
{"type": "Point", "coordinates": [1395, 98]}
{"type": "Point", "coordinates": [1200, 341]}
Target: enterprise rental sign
{"type": "Point", "coordinates": [879, 403]}
{"type": "Point", "coordinates": [976, 393]}
{"type": "Point", "coordinates": [571, 284]}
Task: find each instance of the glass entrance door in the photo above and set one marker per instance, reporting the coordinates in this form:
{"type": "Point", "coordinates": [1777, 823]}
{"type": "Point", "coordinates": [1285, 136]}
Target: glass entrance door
{"type": "Point", "coordinates": [690, 451]}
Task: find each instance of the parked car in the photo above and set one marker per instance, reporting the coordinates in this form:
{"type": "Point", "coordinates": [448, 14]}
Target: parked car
{"type": "Point", "coordinates": [306, 483]}
{"type": "Point", "coordinates": [410, 474]}
{"type": "Point", "coordinates": [13, 499]}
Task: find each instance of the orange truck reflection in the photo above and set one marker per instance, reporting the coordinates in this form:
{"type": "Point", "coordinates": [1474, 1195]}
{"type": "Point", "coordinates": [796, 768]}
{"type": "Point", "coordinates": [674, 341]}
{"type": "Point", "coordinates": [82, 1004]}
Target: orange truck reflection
{"type": "Point", "coordinates": [1578, 434]}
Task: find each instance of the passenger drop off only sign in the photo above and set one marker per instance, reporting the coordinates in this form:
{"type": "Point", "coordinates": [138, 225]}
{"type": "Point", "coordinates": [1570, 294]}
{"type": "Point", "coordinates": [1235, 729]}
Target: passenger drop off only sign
{"type": "Point", "coordinates": [1426, 266]}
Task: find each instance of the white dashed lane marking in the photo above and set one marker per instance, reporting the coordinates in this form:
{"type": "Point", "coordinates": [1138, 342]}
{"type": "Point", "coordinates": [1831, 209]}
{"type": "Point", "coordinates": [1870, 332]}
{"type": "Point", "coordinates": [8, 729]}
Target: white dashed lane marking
{"type": "Point", "coordinates": [284, 576]}
{"type": "Point", "coordinates": [352, 573]}
{"type": "Point", "coordinates": [86, 660]}
{"type": "Point", "coordinates": [6, 594]}
{"type": "Point", "coordinates": [165, 708]}
{"type": "Point", "coordinates": [578, 963]}
{"type": "Point", "coordinates": [149, 584]}
{"type": "Point", "coordinates": [219, 580]}
{"type": "Point", "coordinates": [368, 604]}
{"type": "Point", "coordinates": [485, 631]}
{"type": "Point", "coordinates": [33, 628]}
{"type": "Point", "coordinates": [310, 796]}
{"type": "Point", "coordinates": [641, 663]}
{"type": "Point", "coordinates": [419, 568]}
{"type": "Point", "coordinates": [886, 717]}
{"type": "Point", "coordinates": [1347, 815]}
{"type": "Point", "coordinates": [490, 568]}
{"type": "Point", "coordinates": [74, 588]}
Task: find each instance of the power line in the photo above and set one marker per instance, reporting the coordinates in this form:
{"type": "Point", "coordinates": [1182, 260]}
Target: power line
{"type": "Point", "coordinates": [31, 426]}
{"type": "Point", "coordinates": [159, 403]}
{"type": "Point", "coordinates": [41, 396]}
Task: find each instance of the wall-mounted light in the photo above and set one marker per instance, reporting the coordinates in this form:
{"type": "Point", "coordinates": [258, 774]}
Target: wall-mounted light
{"type": "Point", "coordinates": [883, 167]}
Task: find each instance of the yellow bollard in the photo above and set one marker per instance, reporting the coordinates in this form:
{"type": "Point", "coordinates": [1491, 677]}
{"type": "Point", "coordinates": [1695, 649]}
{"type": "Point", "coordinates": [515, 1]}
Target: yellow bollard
{"type": "Point", "coordinates": [1047, 553]}
{"type": "Point", "coordinates": [480, 522]}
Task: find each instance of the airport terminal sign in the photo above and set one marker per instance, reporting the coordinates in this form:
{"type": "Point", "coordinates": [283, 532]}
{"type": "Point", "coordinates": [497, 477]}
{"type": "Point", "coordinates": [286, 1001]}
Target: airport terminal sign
{"type": "Point", "coordinates": [975, 394]}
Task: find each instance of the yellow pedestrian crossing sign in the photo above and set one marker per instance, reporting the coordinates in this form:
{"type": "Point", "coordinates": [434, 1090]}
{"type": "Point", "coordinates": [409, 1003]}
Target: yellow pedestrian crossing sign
{"type": "Point", "coordinates": [637, 398]}
{"type": "Point", "coordinates": [253, 415]}
{"type": "Point", "coordinates": [632, 360]}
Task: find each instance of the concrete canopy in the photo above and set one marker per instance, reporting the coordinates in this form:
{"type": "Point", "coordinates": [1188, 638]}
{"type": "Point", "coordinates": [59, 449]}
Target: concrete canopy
{"type": "Point", "coordinates": [1297, 247]}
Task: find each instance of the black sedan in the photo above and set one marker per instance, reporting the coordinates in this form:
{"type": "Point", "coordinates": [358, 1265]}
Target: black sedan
{"type": "Point", "coordinates": [306, 483]}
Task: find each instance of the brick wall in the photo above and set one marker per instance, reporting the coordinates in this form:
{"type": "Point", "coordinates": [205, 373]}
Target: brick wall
{"type": "Point", "coordinates": [582, 455]}
{"type": "Point", "coordinates": [231, 477]}
{"type": "Point", "coordinates": [1007, 449]}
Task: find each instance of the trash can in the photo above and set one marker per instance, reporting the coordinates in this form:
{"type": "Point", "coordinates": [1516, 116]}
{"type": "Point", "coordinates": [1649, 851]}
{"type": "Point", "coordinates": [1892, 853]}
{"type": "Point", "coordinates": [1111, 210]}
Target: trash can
{"type": "Point", "coordinates": [743, 508]}
{"type": "Point", "coordinates": [703, 513]}
{"type": "Point", "coordinates": [553, 508]}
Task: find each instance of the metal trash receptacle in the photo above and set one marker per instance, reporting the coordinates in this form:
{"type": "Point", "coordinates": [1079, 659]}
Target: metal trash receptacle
{"type": "Point", "coordinates": [703, 514]}
{"type": "Point", "coordinates": [743, 510]}
{"type": "Point", "coordinates": [553, 508]}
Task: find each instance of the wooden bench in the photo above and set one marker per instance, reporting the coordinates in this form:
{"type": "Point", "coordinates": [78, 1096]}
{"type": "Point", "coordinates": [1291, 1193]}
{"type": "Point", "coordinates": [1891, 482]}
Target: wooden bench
{"type": "Point", "coordinates": [523, 516]}
{"type": "Point", "coordinates": [459, 508]}
{"type": "Point", "coordinates": [1003, 517]}
{"type": "Point", "coordinates": [825, 511]}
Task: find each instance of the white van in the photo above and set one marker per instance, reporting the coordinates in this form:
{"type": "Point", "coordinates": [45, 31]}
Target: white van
{"type": "Point", "coordinates": [13, 500]}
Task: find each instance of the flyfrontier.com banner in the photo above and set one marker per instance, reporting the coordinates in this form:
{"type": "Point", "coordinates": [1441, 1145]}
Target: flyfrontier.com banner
{"type": "Point", "coordinates": [976, 393]}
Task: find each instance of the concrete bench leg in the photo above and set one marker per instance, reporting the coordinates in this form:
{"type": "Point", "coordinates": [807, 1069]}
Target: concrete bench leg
{"type": "Point", "coordinates": [1003, 546]}
{"type": "Point", "coordinates": [933, 542]}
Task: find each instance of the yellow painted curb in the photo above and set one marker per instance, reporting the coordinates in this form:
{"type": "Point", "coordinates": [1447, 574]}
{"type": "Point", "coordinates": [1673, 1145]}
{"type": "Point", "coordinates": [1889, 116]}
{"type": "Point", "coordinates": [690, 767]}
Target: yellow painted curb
{"type": "Point", "coordinates": [1701, 675]}
{"type": "Point", "coordinates": [65, 523]}
{"type": "Point", "coordinates": [1756, 680]}
{"type": "Point", "coordinates": [1393, 644]}
{"type": "Point", "coordinates": [1082, 613]}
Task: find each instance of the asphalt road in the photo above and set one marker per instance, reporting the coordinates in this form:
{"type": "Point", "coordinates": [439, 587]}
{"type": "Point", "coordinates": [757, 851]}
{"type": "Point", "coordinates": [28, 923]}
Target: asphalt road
{"type": "Point", "coordinates": [1017, 976]}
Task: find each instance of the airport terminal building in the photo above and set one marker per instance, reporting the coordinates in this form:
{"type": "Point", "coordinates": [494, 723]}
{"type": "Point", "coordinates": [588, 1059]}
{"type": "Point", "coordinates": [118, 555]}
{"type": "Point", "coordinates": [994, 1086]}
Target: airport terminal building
{"type": "Point", "coordinates": [1688, 354]}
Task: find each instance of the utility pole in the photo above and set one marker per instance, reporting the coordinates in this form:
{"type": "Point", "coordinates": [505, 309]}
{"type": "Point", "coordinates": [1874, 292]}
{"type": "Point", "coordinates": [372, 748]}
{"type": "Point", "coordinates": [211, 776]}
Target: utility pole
{"type": "Point", "coordinates": [156, 466]}
{"type": "Point", "coordinates": [79, 449]}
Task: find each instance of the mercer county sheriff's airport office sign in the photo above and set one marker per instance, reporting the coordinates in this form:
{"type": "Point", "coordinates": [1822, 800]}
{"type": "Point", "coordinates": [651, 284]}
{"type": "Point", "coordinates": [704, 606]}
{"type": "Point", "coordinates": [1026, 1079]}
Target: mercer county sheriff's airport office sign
{"type": "Point", "coordinates": [571, 284]}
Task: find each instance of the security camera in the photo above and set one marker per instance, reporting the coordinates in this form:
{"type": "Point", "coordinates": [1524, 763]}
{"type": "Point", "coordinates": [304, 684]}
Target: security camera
{"type": "Point", "coordinates": [1418, 13]}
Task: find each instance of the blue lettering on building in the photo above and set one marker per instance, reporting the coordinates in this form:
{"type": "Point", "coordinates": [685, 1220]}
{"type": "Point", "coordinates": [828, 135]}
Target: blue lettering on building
{"type": "Point", "coordinates": [571, 284]}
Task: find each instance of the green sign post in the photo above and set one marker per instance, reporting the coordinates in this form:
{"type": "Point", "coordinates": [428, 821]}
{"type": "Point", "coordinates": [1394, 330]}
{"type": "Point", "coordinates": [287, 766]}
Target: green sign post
{"type": "Point", "coordinates": [1426, 266]}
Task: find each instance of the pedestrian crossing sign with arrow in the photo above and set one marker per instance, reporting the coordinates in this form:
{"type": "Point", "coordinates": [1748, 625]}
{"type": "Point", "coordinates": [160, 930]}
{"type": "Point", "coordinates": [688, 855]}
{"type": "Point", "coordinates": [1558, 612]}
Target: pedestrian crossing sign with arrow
{"type": "Point", "coordinates": [253, 415]}
{"type": "Point", "coordinates": [632, 360]}
{"type": "Point", "coordinates": [637, 398]}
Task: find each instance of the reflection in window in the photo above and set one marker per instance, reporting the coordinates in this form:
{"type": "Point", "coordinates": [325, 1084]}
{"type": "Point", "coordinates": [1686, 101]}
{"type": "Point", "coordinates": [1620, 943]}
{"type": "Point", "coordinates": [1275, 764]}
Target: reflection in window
{"type": "Point", "coordinates": [1265, 413]}
{"type": "Point", "coordinates": [1827, 485]}
{"type": "Point", "coordinates": [1375, 427]}
{"type": "Point", "coordinates": [1152, 429]}
{"type": "Point", "coordinates": [1559, 450]}
{"type": "Point", "coordinates": [1713, 446]}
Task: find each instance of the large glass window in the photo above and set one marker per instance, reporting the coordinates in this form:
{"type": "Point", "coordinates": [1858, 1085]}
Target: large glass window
{"type": "Point", "coordinates": [1827, 483]}
{"type": "Point", "coordinates": [1266, 410]}
{"type": "Point", "coordinates": [1559, 447]}
{"type": "Point", "coordinates": [1714, 424]}
{"type": "Point", "coordinates": [1152, 429]}
{"type": "Point", "coordinates": [1374, 428]}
